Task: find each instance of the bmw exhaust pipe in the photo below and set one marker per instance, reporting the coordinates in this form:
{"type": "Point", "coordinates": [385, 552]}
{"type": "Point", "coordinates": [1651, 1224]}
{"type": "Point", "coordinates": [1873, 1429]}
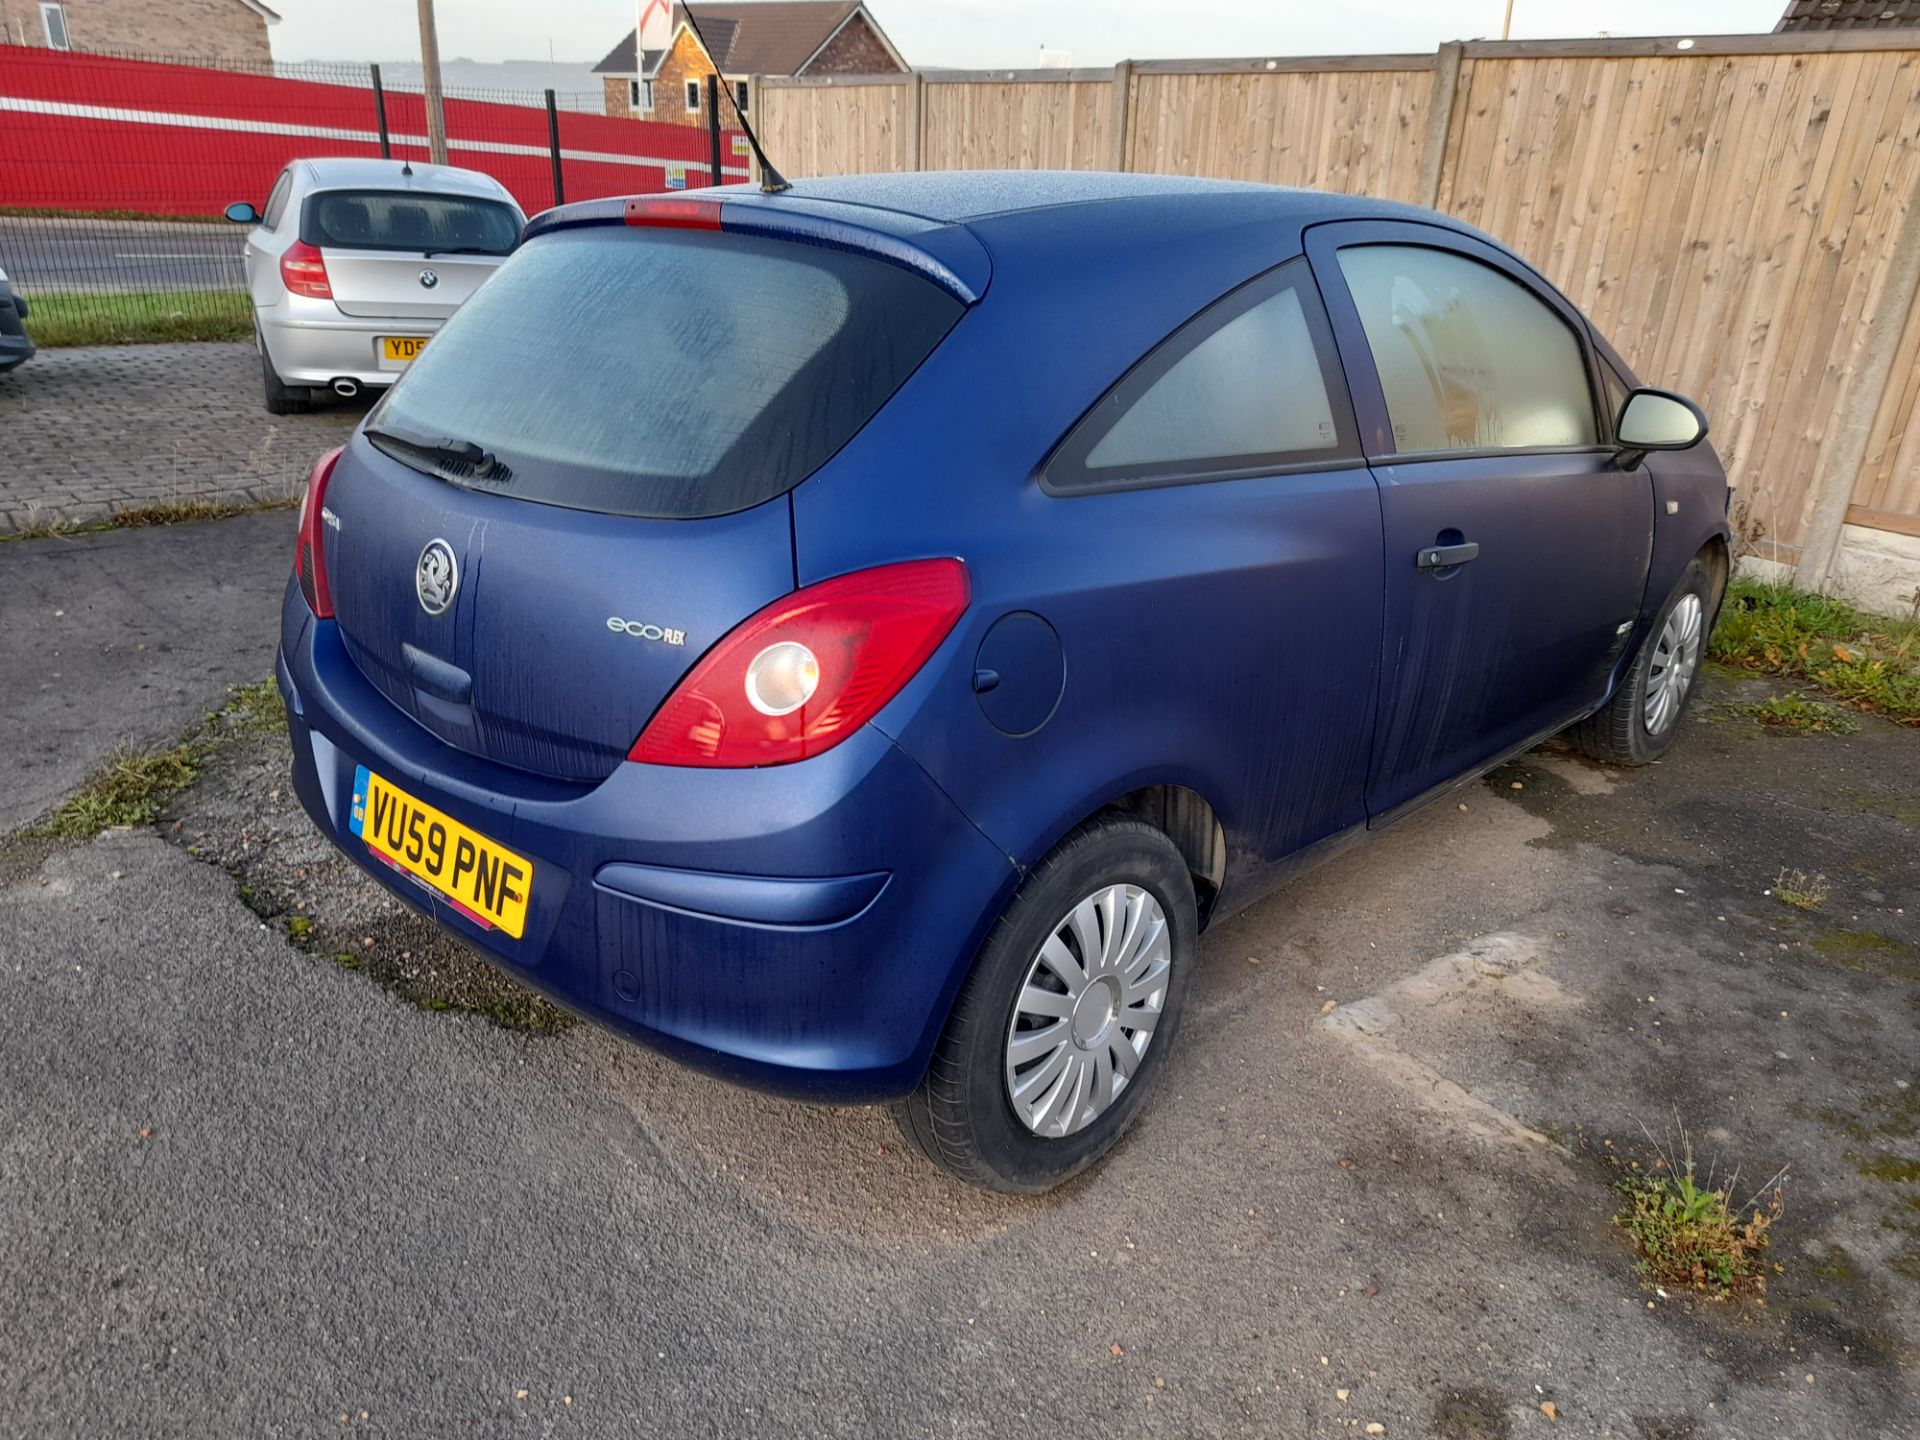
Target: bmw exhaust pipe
{"type": "Point", "coordinates": [346, 389]}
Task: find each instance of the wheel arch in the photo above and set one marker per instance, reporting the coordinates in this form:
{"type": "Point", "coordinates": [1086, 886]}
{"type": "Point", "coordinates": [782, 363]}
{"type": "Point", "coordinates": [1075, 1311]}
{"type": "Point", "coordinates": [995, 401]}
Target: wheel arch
{"type": "Point", "coordinates": [1185, 818]}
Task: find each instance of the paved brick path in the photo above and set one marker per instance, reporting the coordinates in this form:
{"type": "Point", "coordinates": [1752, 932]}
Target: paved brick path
{"type": "Point", "coordinates": [87, 432]}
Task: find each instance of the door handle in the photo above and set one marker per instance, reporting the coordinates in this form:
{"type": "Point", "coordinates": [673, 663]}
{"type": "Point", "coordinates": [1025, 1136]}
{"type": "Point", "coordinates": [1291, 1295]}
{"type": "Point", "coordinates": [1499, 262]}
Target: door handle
{"type": "Point", "coordinates": [1444, 557]}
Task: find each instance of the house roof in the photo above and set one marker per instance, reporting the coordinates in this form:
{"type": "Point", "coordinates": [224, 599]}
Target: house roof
{"type": "Point", "coordinates": [749, 37]}
{"type": "Point", "coordinates": [266, 13]}
{"type": "Point", "coordinates": [1848, 15]}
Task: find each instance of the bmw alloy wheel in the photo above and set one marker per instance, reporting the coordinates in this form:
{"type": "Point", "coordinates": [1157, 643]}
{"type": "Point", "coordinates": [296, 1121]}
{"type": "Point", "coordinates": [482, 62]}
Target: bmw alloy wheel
{"type": "Point", "coordinates": [1087, 1010]}
{"type": "Point", "coordinates": [1676, 656]}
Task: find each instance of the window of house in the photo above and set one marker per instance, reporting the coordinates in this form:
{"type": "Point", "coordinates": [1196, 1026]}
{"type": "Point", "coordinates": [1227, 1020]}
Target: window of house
{"type": "Point", "coordinates": [740, 96]}
{"type": "Point", "coordinates": [1468, 358]}
{"type": "Point", "coordinates": [1246, 386]}
{"type": "Point", "coordinates": [53, 20]}
{"type": "Point", "coordinates": [640, 94]}
{"type": "Point", "coordinates": [693, 94]}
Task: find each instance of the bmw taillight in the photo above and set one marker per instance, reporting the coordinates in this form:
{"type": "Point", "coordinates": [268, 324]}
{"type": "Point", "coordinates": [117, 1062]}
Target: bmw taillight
{"type": "Point", "coordinates": [800, 676]}
{"type": "Point", "coordinates": [303, 270]}
{"type": "Point", "coordinates": [309, 556]}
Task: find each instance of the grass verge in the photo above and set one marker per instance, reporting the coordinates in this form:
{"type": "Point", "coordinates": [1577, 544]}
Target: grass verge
{"type": "Point", "coordinates": [1688, 1231]}
{"type": "Point", "coordinates": [133, 787]}
{"type": "Point", "coordinates": [140, 317]}
{"type": "Point", "coordinates": [1795, 712]}
{"type": "Point", "coordinates": [1868, 661]}
{"type": "Point", "coordinates": [161, 512]}
{"type": "Point", "coordinates": [34, 212]}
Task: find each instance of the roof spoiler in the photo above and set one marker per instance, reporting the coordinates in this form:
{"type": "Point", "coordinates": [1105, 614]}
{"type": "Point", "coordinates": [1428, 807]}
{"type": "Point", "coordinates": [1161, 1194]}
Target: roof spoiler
{"type": "Point", "coordinates": [947, 255]}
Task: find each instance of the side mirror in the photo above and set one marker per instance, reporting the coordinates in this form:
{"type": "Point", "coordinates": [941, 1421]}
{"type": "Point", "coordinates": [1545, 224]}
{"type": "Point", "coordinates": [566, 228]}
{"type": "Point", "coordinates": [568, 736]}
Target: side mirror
{"type": "Point", "coordinates": [241, 213]}
{"type": "Point", "coordinates": [1657, 420]}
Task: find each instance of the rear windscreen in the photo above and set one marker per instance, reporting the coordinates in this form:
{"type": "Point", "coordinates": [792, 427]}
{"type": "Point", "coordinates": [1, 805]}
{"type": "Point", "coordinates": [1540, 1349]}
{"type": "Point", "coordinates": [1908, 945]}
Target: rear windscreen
{"type": "Point", "coordinates": [667, 373]}
{"type": "Point", "coordinates": [408, 220]}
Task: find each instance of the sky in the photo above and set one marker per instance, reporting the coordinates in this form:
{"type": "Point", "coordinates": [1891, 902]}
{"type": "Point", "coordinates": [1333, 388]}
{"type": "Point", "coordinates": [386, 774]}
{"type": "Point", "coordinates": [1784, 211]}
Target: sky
{"type": "Point", "coordinates": [988, 34]}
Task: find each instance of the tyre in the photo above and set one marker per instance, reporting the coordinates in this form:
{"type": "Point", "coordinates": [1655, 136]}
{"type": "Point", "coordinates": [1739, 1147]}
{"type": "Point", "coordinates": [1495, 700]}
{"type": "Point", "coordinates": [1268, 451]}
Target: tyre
{"type": "Point", "coordinates": [1641, 722]}
{"type": "Point", "coordinates": [281, 399]}
{"type": "Point", "coordinates": [1060, 1032]}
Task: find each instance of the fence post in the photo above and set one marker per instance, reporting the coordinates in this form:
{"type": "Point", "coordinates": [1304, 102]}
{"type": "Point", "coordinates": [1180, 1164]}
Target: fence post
{"type": "Point", "coordinates": [380, 113]}
{"type": "Point", "coordinates": [1433, 149]}
{"type": "Point", "coordinates": [916, 121]}
{"type": "Point", "coordinates": [553, 146]}
{"type": "Point", "coordinates": [1835, 479]}
{"type": "Point", "coordinates": [713, 126]}
{"type": "Point", "coordinates": [1122, 111]}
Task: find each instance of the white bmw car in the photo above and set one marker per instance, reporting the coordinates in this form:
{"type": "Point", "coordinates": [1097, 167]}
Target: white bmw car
{"type": "Point", "coordinates": [353, 265]}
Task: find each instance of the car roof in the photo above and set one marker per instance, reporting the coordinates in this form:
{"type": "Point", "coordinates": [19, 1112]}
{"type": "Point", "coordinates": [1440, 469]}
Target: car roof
{"type": "Point", "coordinates": [346, 172]}
{"type": "Point", "coordinates": [962, 196]}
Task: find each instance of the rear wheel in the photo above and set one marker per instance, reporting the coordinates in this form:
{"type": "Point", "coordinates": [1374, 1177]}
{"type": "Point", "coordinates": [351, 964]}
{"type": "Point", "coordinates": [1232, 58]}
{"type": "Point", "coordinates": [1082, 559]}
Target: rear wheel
{"type": "Point", "coordinates": [1060, 1032]}
{"type": "Point", "coordinates": [1641, 722]}
{"type": "Point", "coordinates": [281, 399]}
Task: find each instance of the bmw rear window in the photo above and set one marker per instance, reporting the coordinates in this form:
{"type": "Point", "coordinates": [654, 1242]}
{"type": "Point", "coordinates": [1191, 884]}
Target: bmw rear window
{"type": "Point", "coordinates": [664, 373]}
{"type": "Point", "coordinates": [408, 220]}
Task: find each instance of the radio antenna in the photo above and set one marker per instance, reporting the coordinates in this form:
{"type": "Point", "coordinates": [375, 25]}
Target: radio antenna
{"type": "Point", "coordinates": [772, 182]}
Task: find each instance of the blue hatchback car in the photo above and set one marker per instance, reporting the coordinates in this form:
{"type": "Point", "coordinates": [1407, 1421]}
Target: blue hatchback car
{"type": "Point", "coordinates": [853, 640]}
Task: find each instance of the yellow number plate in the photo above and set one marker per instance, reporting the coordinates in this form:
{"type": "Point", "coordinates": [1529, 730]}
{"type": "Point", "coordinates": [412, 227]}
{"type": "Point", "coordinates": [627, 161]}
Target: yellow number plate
{"type": "Point", "coordinates": [486, 882]}
{"type": "Point", "coordinates": [403, 347]}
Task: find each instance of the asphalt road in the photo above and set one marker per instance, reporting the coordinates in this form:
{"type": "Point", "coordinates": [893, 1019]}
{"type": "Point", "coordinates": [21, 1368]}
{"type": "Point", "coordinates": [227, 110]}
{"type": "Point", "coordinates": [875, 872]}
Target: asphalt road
{"type": "Point", "coordinates": [123, 639]}
{"type": "Point", "coordinates": [99, 255]}
{"type": "Point", "coordinates": [245, 1191]}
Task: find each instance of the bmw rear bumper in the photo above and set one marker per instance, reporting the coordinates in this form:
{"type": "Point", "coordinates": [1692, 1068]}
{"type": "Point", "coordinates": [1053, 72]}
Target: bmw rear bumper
{"type": "Point", "coordinates": [312, 343]}
{"type": "Point", "coordinates": [799, 929]}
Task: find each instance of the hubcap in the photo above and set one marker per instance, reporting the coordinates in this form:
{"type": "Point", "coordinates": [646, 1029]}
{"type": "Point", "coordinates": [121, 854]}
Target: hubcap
{"type": "Point", "coordinates": [1676, 656]}
{"type": "Point", "coordinates": [1087, 1009]}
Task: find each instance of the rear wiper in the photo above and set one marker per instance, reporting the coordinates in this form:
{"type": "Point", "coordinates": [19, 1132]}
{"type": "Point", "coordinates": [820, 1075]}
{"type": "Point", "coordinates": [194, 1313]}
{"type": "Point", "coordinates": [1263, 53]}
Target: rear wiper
{"type": "Point", "coordinates": [464, 250]}
{"type": "Point", "coordinates": [474, 461]}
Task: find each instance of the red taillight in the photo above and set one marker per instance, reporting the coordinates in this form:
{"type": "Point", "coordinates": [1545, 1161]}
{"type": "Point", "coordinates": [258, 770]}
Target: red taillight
{"type": "Point", "coordinates": [806, 672]}
{"type": "Point", "coordinates": [673, 213]}
{"type": "Point", "coordinates": [303, 270]}
{"type": "Point", "coordinates": [309, 556]}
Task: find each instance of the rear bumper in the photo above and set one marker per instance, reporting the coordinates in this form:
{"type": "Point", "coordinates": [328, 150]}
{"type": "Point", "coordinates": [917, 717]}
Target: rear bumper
{"type": "Point", "coordinates": [311, 343]}
{"type": "Point", "coordinates": [799, 929]}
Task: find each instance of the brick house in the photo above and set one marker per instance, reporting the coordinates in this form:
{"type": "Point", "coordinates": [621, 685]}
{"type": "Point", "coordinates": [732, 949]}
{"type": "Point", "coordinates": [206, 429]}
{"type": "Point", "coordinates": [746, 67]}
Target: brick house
{"type": "Point", "coordinates": [659, 72]}
{"type": "Point", "coordinates": [221, 31]}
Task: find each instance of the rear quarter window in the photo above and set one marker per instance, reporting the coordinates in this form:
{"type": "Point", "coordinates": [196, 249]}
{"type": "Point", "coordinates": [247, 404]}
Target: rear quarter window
{"type": "Point", "coordinates": [407, 220]}
{"type": "Point", "coordinates": [1246, 387]}
{"type": "Point", "coordinates": [668, 374]}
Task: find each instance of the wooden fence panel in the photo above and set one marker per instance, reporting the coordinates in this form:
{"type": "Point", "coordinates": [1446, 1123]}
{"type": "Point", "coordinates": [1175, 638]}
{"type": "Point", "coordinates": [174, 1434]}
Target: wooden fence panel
{"type": "Point", "coordinates": [841, 129]}
{"type": "Point", "coordinates": [1022, 125]}
{"type": "Point", "coordinates": [1888, 493]}
{"type": "Point", "coordinates": [1726, 221]}
{"type": "Point", "coordinates": [1356, 131]}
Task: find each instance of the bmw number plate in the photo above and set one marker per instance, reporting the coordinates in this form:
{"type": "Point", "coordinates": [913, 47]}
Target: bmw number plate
{"type": "Point", "coordinates": [485, 882]}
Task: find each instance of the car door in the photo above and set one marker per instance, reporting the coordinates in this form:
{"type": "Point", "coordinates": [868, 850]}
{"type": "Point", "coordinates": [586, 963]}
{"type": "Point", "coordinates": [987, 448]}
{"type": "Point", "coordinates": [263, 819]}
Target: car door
{"type": "Point", "coordinates": [260, 257]}
{"type": "Point", "coordinates": [1516, 551]}
{"type": "Point", "coordinates": [1224, 527]}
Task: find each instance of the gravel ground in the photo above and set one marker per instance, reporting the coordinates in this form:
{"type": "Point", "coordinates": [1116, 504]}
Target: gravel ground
{"type": "Point", "coordinates": [245, 1183]}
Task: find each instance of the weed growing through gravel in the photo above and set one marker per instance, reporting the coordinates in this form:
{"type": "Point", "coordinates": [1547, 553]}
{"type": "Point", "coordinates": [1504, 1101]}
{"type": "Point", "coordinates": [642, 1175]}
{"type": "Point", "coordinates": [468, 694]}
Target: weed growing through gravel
{"type": "Point", "coordinates": [133, 788]}
{"type": "Point", "coordinates": [1796, 712]}
{"type": "Point", "coordinates": [1870, 661]}
{"type": "Point", "coordinates": [1686, 1227]}
{"type": "Point", "coordinates": [130, 789]}
{"type": "Point", "coordinates": [1800, 890]}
